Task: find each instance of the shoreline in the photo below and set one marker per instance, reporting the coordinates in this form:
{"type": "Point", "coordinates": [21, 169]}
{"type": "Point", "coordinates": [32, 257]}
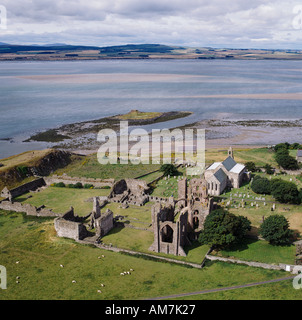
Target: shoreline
{"type": "Point", "coordinates": [220, 134]}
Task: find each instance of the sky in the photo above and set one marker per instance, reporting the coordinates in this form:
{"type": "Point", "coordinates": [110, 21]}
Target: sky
{"type": "Point", "coordinates": [193, 23]}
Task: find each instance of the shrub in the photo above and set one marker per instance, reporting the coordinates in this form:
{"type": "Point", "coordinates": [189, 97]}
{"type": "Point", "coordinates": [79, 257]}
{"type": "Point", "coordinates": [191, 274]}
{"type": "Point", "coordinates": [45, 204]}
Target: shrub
{"type": "Point", "coordinates": [60, 184]}
{"type": "Point", "coordinates": [78, 185]}
{"type": "Point", "coordinates": [88, 186]}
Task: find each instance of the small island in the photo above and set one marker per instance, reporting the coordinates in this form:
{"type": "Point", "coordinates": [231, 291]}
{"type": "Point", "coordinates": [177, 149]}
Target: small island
{"type": "Point", "coordinates": [80, 129]}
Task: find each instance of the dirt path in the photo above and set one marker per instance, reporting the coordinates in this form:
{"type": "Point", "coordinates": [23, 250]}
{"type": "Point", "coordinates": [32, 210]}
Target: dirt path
{"type": "Point", "coordinates": [221, 289]}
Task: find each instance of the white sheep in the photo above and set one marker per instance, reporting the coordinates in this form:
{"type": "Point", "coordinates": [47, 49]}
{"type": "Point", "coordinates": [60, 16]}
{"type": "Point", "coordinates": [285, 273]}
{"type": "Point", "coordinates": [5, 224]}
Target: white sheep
{"type": "Point", "coordinates": [102, 285]}
{"type": "Point", "coordinates": [61, 266]}
{"type": "Point", "coordinates": [122, 273]}
{"type": "Point", "coordinates": [73, 281]}
{"type": "Point", "coordinates": [99, 291]}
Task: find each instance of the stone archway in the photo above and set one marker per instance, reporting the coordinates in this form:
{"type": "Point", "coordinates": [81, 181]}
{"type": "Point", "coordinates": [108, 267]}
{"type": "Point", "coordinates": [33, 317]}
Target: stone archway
{"type": "Point", "coordinates": [195, 220]}
{"type": "Point", "coordinates": [167, 234]}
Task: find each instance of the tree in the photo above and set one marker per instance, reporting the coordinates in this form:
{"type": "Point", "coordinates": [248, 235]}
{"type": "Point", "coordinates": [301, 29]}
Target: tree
{"type": "Point", "coordinates": [169, 170]}
{"type": "Point", "coordinates": [250, 166]}
{"type": "Point", "coordinates": [261, 185]}
{"type": "Point", "coordinates": [284, 160]}
{"type": "Point", "coordinates": [275, 229]}
{"type": "Point", "coordinates": [285, 191]}
{"type": "Point", "coordinates": [280, 146]}
{"type": "Point", "coordinates": [221, 229]}
{"type": "Point", "coordinates": [268, 169]}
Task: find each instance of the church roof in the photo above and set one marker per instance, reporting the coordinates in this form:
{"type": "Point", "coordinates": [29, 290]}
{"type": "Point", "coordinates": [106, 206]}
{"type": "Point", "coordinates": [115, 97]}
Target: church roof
{"type": "Point", "coordinates": [299, 153]}
{"type": "Point", "coordinates": [220, 175]}
{"type": "Point", "coordinates": [237, 168]}
{"type": "Point", "coordinates": [214, 165]}
{"type": "Point", "coordinates": [229, 163]}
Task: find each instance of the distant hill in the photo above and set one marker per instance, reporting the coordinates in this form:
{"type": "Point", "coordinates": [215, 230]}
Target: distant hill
{"type": "Point", "coordinates": [60, 51]}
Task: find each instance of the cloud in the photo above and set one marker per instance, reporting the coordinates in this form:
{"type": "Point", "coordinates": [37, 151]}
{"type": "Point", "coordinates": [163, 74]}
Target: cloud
{"type": "Point", "coordinates": [237, 23]}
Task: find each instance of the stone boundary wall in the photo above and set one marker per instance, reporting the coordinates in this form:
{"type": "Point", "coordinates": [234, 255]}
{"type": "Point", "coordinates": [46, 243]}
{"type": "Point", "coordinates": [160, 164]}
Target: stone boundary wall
{"type": "Point", "coordinates": [280, 266]}
{"type": "Point", "coordinates": [29, 209]}
{"type": "Point", "coordinates": [72, 180]}
{"type": "Point", "coordinates": [115, 249]}
{"type": "Point", "coordinates": [158, 199]}
{"type": "Point", "coordinates": [146, 174]}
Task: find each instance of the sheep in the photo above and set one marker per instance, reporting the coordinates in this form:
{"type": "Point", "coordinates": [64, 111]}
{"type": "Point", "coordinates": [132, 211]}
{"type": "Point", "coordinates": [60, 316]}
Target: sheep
{"type": "Point", "coordinates": [17, 262]}
{"type": "Point", "coordinates": [103, 256]}
{"type": "Point", "coordinates": [73, 281]}
{"type": "Point", "coordinates": [122, 273]}
{"type": "Point", "coordinates": [131, 270]}
{"type": "Point", "coordinates": [17, 277]}
{"type": "Point", "coordinates": [99, 291]}
{"type": "Point", "coordinates": [61, 266]}
{"type": "Point", "coordinates": [102, 285]}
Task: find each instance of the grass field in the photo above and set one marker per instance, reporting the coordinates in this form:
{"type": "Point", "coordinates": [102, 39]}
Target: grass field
{"type": "Point", "coordinates": [260, 156]}
{"type": "Point", "coordinates": [61, 199]}
{"type": "Point", "coordinates": [89, 167]}
{"type": "Point", "coordinates": [260, 251]}
{"type": "Point", "coordinates": [33, 243]}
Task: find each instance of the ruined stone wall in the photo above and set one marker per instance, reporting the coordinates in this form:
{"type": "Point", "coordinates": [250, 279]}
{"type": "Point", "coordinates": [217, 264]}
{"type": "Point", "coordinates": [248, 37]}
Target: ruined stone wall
{"type": "Point", "coordinates": [105, 223]}
{"type": "Point", "coordinates": [28, 209]}
{"type": "Point", "coordinates": [26, 187]}
{"type": "Point", "coordinates": [70, 229]}
{"type": "Point", "coordinates": [97, 183]}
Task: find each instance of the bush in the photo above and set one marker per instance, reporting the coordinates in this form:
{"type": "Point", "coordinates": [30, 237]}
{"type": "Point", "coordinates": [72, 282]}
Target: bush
{"type": "Point", "coordinates": [88, 186]}
{"type": "Point", "coordinates": [275, 229]}
{"type": "Point", "coordinates": [59, 185]}
{"type": "Point", "coordinates": [78, 185]}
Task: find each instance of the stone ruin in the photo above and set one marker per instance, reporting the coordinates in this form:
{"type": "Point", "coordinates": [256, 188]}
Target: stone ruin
{"type": "Point", "coordinates": [169, 236]}
{"type": "Point", "coordinates": [26, 187]}
{"type": "Point", "coordinates": [194, 196]}
{"type": "Point", "coordinates": [73, 227]}
{"type": "Point", "coordinates": [101, 222]}
{"type": "Point", "coordinates": [177, 222]}
{"type": "Point", "coordinates": [129, 191]}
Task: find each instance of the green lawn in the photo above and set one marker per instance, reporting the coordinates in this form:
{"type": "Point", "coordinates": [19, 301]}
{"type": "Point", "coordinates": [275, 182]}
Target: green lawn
{"type": "Point", "coordinates": [261, 251]}
{"type": "Point", "coordinates": [89, 167]}
{"type": "Point", "coordinates": [260, 156]}
{"type": "Point", "coordinates": [33, 242]}
{"type": "Point", "coordinates": [61, 199]}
